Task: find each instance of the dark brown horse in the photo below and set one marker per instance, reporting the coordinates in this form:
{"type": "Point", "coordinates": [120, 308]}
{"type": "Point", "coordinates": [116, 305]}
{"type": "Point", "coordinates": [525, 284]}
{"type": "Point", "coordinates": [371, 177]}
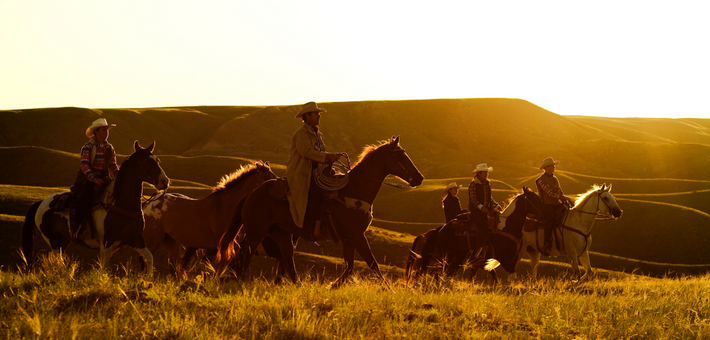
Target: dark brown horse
{"type": "Point", "coordinates": [454, 248]}
{"type": "Point", "coordinates": [118, 218]}
{"type": "Point", "coordinates": [176, 221]}
{"type": "Point", "coordinates": [350, 212]}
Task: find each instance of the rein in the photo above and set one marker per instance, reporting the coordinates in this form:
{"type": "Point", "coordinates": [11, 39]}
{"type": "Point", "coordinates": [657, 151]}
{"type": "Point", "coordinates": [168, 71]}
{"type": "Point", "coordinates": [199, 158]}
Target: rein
{"type": "Point", "coordinates": [604, 217]}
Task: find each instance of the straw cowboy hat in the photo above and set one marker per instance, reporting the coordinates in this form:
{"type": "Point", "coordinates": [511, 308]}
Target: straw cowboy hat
{"type": "Point", "coordinates": [483, 167]}
{"type": "Point", "coordinates": [309, 107]}
{"type": "Point", "coordinates": [101, 122]}
{"type": "Point", "coordinates": [452, 185]}
{"type": "Point", "coordinates": [547, 162]}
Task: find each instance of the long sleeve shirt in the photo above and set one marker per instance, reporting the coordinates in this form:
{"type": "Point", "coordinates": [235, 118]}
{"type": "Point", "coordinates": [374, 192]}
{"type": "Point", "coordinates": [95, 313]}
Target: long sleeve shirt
{"type": "Point", "coordinates": [99, 162]}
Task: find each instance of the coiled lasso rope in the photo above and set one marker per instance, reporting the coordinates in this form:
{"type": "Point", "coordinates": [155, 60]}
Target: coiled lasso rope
{"type": "Point", "coordinates": [332, 183]}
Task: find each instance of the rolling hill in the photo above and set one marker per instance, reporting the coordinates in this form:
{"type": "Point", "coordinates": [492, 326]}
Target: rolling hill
{"type": "Point", "coordinates": [658, 167]}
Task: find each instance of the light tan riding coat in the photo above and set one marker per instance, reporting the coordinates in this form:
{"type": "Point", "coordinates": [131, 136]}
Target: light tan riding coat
{"type": "Point", "coordinates": [298, 170]}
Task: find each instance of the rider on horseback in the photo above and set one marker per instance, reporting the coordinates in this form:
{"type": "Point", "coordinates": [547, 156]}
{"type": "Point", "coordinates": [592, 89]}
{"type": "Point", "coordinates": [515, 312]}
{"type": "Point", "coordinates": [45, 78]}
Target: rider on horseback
{"type": "Point", "coordinates": [307, 153]}
{"type": "Point", "coordinates": [98, 167]}
{"type": "Point", "coordinates": [557, 203]}
{"type": "Point", "coordinates": [451, 203]}
{"type": "Point", "coordinates": [481, 205]}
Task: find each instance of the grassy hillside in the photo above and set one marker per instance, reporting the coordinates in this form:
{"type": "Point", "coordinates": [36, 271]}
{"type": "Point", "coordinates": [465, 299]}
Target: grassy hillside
{"type": "Point", "coordinates": [658, 167]}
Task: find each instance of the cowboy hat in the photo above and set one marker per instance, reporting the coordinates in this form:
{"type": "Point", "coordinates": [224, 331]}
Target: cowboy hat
{"type": "Point", "coordinates": [483, 167]}
{"type": "Point", "coordinates": [101, 122]}
{"type": "Point", "coordinates": [547, 162]}
{"type": "Point", "coordinates": [309, 107]}
{"type": "Point", "coordinates": [452, 185]}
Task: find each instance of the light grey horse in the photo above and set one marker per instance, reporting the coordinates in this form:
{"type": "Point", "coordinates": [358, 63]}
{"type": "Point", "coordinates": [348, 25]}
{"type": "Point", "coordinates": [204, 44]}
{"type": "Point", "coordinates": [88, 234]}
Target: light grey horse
{"type": "Point", "coordinates": [574, 237]}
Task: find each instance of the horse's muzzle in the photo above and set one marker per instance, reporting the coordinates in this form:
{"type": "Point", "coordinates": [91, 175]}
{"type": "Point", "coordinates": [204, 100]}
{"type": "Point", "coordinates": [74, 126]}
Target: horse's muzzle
{"type": "Point", "coordinates": [163, 182]}
{"type": "Point", "coordinates": [415, 182]}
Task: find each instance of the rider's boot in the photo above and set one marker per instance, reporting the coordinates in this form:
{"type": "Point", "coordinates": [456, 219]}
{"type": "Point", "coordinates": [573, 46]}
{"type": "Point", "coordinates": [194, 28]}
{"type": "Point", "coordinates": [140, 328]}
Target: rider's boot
{"type": "Point", "coordinates": [547, 246]}
{"type": "Point", "coordinates": [316, 232]}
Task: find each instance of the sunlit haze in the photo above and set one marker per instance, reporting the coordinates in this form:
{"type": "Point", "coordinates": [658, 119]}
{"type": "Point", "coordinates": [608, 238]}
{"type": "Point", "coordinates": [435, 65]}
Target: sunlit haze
{"type": "Point", "coordinates": [601, 58]}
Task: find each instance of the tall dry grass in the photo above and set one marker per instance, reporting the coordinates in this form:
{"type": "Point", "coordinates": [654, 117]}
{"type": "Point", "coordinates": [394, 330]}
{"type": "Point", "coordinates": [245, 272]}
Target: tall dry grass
{"type": "Point", "coordinates": [54, 301]}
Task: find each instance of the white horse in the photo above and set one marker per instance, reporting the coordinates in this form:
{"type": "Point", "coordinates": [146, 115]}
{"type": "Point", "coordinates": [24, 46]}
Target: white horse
{"type": "Point", "coordinates": [574, 237]}
{"type": "Point", "coordinates": [118, 218]}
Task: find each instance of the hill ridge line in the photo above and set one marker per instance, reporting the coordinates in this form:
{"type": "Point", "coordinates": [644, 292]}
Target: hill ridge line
{"type": "Point", "coordinates": [666, 204]}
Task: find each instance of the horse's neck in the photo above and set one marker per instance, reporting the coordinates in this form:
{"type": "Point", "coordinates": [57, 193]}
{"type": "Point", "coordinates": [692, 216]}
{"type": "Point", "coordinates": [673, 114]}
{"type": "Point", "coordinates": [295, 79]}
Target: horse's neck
{"type": "Point", "coordinates": [507, 212]}
{"type": "Point", "coordinates": [127, 195]}
{"type": "Point", "coordinates": [364, 182]}
{"type": "Point", "coordinates": [236, 192]}
{"type": "Point", "coordinates": [582, 217]}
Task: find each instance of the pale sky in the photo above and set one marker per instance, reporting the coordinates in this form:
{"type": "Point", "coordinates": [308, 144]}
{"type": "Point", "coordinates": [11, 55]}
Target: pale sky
{"type": "Point", "coordinates": [599, 58]}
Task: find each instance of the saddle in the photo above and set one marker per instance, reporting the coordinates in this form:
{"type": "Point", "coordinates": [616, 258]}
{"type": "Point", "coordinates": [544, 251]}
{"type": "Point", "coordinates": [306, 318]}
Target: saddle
{"type": "Point", "coordinates": [462, 224]}
{"type": "Point", "coordinates": [61, 202]}
{"type": "Point", "coordinates": [280, 188]}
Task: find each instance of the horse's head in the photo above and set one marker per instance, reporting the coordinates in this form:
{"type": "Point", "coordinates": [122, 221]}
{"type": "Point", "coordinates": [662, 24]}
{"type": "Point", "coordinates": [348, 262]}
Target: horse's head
{"type": "Point", "coordinates": [610, 209]}
{"type": "Point", "coordinates": [146, 166]}
{"type": "Point", "coordinates": [402, 166]}
{"type": "Point", "coordinates": [264, 172]}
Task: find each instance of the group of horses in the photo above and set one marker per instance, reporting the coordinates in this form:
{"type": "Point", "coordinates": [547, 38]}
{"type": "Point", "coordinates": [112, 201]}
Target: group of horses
{"type": "Point", "coordinates": [518, 227]}
{"type": "Point", "coordinates": [242, 217]}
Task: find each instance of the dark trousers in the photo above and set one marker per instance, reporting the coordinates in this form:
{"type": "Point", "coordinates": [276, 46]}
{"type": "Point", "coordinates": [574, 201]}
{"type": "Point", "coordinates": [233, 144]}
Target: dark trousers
{"type": "Point", "coordinates": [556, 213]}
{"type": "Point", "coordinates": [82, 203]}
{"type": "Point", "coordinates": [313, 209]}
{"type": "Point", "coordinates": [480, 220]}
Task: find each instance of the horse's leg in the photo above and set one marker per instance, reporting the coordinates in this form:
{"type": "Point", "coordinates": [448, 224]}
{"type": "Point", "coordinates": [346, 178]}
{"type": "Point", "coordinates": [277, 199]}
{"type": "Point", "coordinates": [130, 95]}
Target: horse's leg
{"type": "Point", "coordinates": [584, 259]}
{"type": "Point", "coordinates": [182, 264]}
{"type": "Point", "coordinates": [534, 256]}
{"type": "Point", "coordinates": [148, 256]}
{"type": "Point", "coordinates": [363, 248]}
{"type": "Point", "coordinates": [454, 265]}
{"type": "Point", "coordinates": [494, 276]}
{"type": "Point", "coordinates": [349, 256]}
{"type": "Point", "coordinates": [285, 243]}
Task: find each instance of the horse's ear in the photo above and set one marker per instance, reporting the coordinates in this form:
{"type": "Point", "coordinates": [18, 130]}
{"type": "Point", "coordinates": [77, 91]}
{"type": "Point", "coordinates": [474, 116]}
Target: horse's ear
{"type": "Point", "coordinates": [151, 147]}
{"type": "Point", "coordinates": [603, 187]}
{"type": "Point", "coordinates": [609, 189]}
{"type": "Point", "coordinates": [395, 140]}
{"type": "Point", "coordinates": [136, 146]}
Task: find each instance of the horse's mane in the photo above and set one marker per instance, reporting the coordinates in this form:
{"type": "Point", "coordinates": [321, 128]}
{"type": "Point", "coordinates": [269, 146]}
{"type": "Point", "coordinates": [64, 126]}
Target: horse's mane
{"type": "Point", "coordinates": [236, 177]}
{"type": "Point", "coordinates": [369, 149]}
{"type": "Point", "coordinates": [585, 196]}
{"type": "Point", "coordinates": [506, 202]}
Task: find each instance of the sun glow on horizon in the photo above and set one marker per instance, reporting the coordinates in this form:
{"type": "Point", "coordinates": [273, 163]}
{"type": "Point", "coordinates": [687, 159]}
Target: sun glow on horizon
{"type": "Point", "coordinates": [638, 60]}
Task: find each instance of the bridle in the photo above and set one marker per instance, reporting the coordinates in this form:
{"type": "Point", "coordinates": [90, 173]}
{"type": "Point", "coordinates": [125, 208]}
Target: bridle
{"type": "Point", "coordinates": [151, 180]}
{"type": "Point", "coordinates": [600, 217]}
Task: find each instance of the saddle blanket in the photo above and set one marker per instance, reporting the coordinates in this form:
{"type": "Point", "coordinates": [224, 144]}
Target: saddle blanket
{"type": "Point", "coordinates": [61, 202]}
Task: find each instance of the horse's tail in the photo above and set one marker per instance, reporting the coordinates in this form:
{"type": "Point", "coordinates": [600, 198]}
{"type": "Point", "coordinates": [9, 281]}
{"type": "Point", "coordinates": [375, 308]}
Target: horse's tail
{"type": "Point", "coordinates": [491, 264]}
{"type": "Point", "coordinates": [415, 255]}
{"type": "Point", "coordinates": [28, 233]}
{"type": "Point", "coordinates": [225, 251]}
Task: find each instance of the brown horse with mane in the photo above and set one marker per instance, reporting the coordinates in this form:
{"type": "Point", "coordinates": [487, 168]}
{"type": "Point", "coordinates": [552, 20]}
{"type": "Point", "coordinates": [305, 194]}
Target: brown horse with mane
{"type": "Point", "coordinates": [176, 221]}
{"type": "Point", "coordinates": [350, 211]}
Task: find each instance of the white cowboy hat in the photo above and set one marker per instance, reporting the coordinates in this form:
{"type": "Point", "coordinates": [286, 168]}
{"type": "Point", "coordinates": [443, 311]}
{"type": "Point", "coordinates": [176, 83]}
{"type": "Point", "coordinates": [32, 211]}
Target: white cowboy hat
{"type": "Point", "coordinates": [101, 122]}
{"type": "Point", "coordinates": [547, 162]}
{"type": "Point", "coordinates": [483, 167]}
{"type": "Point", "coordinates": [452, 185]}
{"type": "Point", "coordinates": [309, 107]}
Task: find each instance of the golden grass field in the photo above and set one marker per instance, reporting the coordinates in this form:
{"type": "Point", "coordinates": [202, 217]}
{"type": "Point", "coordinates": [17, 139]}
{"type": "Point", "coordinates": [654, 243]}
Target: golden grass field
{"type": "Point", "coordinates": [651, 265]}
